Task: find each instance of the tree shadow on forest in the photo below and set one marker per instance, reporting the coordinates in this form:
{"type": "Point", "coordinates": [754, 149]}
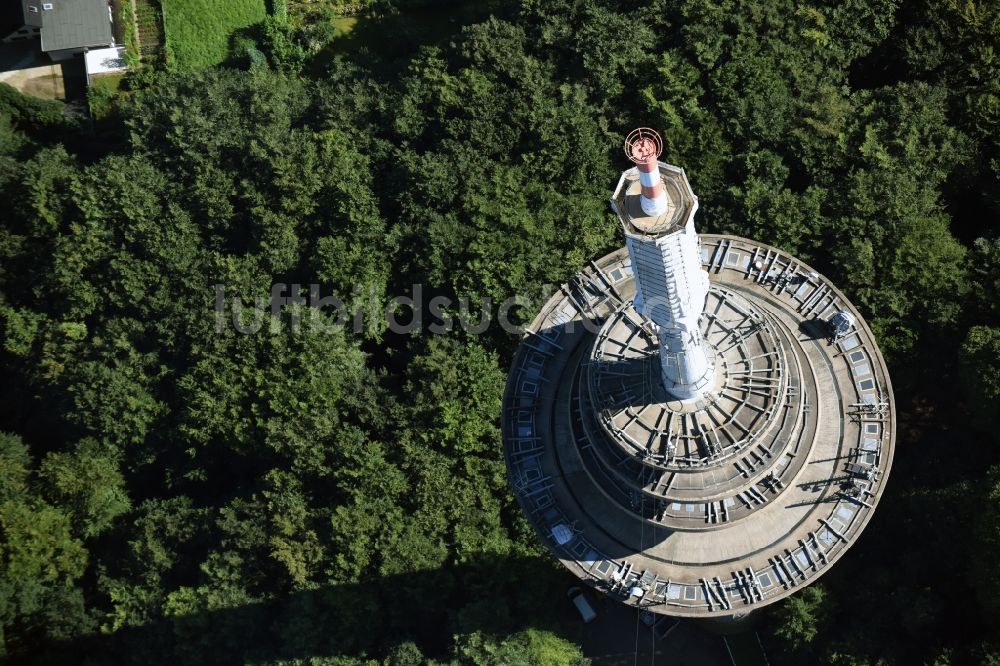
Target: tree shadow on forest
{"type": "Point", "coordinates": [494, 594]}
{"type": "Point", "coordinates": [385, 40]}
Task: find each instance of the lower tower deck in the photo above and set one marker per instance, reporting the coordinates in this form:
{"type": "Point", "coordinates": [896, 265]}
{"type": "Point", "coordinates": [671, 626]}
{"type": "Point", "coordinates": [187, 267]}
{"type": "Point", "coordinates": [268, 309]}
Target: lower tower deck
{"type": "Point", "coordinates": [712, 506]}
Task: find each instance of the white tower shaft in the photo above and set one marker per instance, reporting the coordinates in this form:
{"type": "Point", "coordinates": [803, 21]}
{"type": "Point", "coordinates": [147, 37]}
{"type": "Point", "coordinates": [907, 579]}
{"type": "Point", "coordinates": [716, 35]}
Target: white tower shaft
{"type": "Point", "coordinates": [656, 207]}
{"type": "Point", "coordinates": [671, 288]}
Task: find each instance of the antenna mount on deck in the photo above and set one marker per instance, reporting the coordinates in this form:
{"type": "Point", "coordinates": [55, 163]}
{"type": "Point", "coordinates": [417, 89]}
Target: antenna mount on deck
{"type": "Point", "coordinates": [643, 144]}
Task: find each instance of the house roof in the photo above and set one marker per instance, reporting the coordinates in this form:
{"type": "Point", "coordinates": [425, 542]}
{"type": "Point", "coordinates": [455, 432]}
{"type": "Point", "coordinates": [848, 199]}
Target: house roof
{"type": "Point", "coordinates": [70, 24]}
{"type": "Point", "coordinates": [32, 17]}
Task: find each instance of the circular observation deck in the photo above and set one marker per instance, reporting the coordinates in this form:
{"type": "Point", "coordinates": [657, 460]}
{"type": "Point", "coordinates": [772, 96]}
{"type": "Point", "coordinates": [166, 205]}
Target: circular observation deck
{"type": "Point", "coordinates": [708, 507]}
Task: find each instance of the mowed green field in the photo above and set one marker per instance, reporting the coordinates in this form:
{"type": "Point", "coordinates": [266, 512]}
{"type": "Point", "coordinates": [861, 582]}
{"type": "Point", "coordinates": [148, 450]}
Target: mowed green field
{"type": "Point", "coordinates": [198, 31]}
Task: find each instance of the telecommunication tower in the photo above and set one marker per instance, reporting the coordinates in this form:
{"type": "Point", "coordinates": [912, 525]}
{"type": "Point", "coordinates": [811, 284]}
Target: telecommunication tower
{"type": "Point", "coordinates": [697, 426]}
{"type": "Point", "coordinates": [671, 285]}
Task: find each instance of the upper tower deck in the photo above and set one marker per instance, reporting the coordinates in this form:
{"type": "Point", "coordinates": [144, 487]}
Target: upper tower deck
{"type": "Point", "coordinates": [681, 202]}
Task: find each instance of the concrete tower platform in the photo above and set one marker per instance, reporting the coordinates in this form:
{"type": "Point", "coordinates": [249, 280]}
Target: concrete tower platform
{"type": "Point", "coordinates": [714, 506]}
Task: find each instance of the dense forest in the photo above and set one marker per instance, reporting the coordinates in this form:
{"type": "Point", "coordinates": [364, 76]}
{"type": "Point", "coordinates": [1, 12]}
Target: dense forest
{"type": "Point", "coordinates": [174, 491]}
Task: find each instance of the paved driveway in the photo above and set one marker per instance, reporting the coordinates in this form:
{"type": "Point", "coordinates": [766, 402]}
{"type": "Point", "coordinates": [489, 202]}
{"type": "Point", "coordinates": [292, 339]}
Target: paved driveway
{"type": "Point", "coordinates": [20, 55]}
{"type": "Point", "coordinates": [26, 68]}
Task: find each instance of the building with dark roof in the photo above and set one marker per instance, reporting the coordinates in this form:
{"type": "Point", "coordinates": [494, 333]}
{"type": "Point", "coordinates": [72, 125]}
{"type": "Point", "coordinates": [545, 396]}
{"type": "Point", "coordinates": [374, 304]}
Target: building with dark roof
{"type": "Point", "coordinates": [65, 27]}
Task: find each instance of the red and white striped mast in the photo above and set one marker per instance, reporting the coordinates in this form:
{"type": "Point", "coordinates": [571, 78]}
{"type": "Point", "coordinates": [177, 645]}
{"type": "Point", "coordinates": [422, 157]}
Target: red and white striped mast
{"type": "Point", "coordinates": [643, 146]}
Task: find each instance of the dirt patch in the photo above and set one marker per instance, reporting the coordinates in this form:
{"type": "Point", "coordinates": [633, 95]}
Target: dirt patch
{"type": "Point", "coordinates": [45, 82]}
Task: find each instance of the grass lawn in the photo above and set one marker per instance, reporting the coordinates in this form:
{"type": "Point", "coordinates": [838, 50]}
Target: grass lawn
{"type": "Point", "coordinates": [198, 31]}
{"type": "Point", "coordinates": [399, 35]}
{"type": "Point", "coordinates": [344, 25]}
{"type": "Point", "coordinates": [110, 82]}
{"type": "Point", "coordinates": [102, 92]}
